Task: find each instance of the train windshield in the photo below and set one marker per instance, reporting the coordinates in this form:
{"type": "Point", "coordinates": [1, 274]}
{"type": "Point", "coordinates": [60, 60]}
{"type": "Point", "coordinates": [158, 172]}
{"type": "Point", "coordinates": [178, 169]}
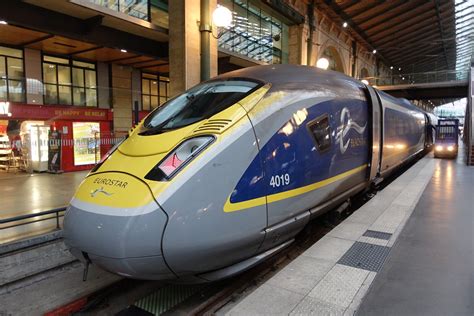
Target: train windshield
{"type": "Point", "coordinates": [198, 103]}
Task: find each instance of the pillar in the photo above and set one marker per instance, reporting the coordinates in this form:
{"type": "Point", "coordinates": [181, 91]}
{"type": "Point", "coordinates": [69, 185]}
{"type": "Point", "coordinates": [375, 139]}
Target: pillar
{"type": "Point", "coordinates": [122, 98]}
{"type": "Point", "coordinates": [103, 85]}
{"type": "Point", "coordinates": [185, 46]}
{"type": "Point", "coordinates": [33, 75]}
{"type": "Point", "coordinates": [297, 45]}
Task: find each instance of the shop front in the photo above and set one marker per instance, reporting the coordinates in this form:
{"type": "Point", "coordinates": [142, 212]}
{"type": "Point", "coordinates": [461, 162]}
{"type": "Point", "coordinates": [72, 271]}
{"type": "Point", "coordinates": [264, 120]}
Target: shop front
{"type": "Point", "coordinates": [54, 138]}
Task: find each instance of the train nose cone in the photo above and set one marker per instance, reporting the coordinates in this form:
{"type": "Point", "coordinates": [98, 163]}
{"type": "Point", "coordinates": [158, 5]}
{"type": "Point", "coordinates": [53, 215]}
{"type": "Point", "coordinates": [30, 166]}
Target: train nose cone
{"type": "Point", "coordinates": [115, 221]}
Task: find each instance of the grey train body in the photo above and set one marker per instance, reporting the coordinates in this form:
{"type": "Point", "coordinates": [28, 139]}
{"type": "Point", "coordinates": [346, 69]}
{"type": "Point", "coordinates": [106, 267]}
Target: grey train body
{"type": "Point", "coordinates": [189, 237]}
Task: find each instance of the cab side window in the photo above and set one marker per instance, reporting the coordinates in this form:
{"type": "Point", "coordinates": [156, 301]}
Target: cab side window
{"type": "Point", "coordinates": [321, 132]}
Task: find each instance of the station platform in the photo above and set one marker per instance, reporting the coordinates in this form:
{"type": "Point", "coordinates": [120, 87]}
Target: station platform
{"type": "Point", "coordinates": [23, 194]}
{"type": "Point", "coordinates": [407, 251]}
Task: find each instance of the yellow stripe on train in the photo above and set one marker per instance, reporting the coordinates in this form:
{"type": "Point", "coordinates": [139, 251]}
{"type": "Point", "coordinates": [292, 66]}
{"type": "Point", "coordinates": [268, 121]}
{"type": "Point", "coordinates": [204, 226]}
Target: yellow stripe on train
{"type": "Point", "coordinates": [232, 207]}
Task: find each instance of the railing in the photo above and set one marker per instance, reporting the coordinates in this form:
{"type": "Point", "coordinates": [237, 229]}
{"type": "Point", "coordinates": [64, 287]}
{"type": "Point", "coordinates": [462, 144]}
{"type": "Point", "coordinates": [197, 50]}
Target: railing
{"type": "Point", "coordinates": [418, 77]}
{"type": "Point", "coordinates": [59, 212]}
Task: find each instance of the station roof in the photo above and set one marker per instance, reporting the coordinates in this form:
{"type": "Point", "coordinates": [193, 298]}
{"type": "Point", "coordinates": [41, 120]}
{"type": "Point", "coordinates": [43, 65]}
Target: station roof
{"type": "Point", "coordinates": [87, 35]}
{"type": "Point", "coordinates": [414, 35]}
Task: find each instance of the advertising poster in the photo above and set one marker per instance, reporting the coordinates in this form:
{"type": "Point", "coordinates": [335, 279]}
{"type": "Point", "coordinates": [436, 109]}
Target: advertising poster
{"type": "Point", "coordinates": [86, 143]}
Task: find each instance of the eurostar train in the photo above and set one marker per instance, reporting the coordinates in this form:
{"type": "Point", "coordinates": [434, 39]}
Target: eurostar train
{"type": "Point", "coordinates": [227, 173]}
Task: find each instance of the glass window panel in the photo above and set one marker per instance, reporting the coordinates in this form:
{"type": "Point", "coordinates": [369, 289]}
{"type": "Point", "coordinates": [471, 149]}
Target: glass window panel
{"type": "Point", "coordinates": [321, 132]}
{"type": "Point", "coordinates": [83, 64]}
{"type": "Point", "coordinates": [3, 71]}
{"type": "Point", "coordinates": [77, 77]}
{"type": "Point", "coordinates": [65, 95]}
{"type": "Point", "coordinates": [49, 73]}
{"type": "Point", "coordinates": [154, 87]}
{"type": "Point", "coordinates": [79, 96]}
{"type": "Point", "coordinates": [159, 17]}
{"type": "Point", "coordinates": [146, 102]}
{"type": "Point", "coordinates": [136, 8]}
{"type": "Point", "coordinates": [7, 51]}
{"type": "Point", "coordinates": [163, 100]}
{"type": "Point", "coordinates": [56, 60]}
{"type": "Point", "coordinates": [149, 76]}
{"type": "Point", "coordinates": [15, 68]}
{"type": "Point", "coordinates": [51, 94]}
{"type": "Point", "coordinates": [90, 79]}
{"type": "Point", "coordinates": [64, 75]}
{"type": "Point", "coordinates": [145, 86]}
{"type": "Point", "coordinates": [3, 90]}
{"type": "Point", "coordinates": [111, 4]}
{"type": "Point", "coordinates": [154, 102]}
{"type": "Point", "coordinates": [91, 95]}
{"type": "Point", "coordinates": [163, 91]}
{"type": "Point", "coordinates": [164, 78]}
{"type": "Point", "coordinates": [15, 90]}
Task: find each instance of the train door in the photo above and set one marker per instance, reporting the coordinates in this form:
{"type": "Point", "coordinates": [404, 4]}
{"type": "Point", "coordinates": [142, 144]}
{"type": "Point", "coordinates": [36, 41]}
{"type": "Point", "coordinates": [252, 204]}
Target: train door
{"type": "Point", "coordinates": [375, 118]}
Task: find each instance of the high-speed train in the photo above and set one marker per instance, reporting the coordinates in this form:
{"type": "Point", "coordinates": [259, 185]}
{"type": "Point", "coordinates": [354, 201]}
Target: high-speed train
{"type": "Point", "coordinates": [227, 173]}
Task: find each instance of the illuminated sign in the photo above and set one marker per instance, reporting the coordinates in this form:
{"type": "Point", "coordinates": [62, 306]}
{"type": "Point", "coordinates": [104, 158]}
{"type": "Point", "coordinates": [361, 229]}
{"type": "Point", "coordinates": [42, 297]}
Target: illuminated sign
{"type": "Point", "coordinates": [5, 108]}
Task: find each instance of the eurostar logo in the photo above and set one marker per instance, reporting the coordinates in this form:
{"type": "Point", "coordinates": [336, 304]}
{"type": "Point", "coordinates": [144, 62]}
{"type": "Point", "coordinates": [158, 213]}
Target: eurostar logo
{"type": "Point", "coordinates": [346, 125]}
{"type": "Point", "coordinates": [100, 190]}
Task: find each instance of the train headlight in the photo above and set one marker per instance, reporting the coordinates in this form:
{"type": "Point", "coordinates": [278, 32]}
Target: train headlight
{"type": "Point", "coordinates": [439, 148]}
{"type": "Point", "coordinates": [450, 148]}
{"type": "Point", "coordinates": [178, 158]}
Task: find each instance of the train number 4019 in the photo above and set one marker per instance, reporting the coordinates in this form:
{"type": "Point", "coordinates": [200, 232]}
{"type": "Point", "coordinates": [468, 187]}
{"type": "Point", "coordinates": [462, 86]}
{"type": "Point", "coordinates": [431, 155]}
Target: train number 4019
{"type": "Point", "coordinates": [280, 180]}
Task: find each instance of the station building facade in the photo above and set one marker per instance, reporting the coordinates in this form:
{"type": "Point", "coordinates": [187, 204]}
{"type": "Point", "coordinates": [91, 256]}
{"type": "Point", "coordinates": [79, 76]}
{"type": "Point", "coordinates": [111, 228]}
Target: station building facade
{"type": "Point", "coordinates": [89, 69]}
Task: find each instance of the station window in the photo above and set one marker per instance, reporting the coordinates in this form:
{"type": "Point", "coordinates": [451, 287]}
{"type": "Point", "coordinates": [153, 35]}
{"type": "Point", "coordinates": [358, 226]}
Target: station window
{"type": "Point", "coordinates": [155, 91]}
{"type": "Point", "coordinates": [154, 11]}
{"type": "Point", "coordinates": [135, 8]}
{"type": "Point", "coordinates": [255, 33]}
{"type": "Point", "coordinates": [159, 13]}
{"type": "Point", "coordinates": [321, 132]}
{"type": "Point", "coordinates": [12, 77]}
{"type": "Point", "coordinates": [69, 82]}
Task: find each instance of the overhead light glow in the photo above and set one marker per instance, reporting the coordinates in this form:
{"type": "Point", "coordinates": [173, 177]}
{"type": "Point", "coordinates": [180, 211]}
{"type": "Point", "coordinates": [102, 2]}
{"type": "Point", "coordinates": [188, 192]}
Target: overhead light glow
{"type": "Point", "coordinates": [344, 24]}
{"type": "Point", "coordinates": [403, 78]}
{"type": "Point", "coordinates": [322, 63]}
{"type": "Point", "coordinates": [123, 50]}
{"type": "Point", "coordinates": [374, 51]}
{"type": "Point", "coordinates": [222, 17]}
{"type": "Point", "coordinates": [391, 67]}
{"type": "Point", "coordinates": [399, 69]}
{"type": "Point", "coordinates": [3, 22]}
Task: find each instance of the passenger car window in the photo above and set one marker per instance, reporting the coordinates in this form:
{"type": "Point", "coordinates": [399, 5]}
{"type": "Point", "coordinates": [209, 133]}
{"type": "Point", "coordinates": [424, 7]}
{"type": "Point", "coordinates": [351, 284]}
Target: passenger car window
{"type": "Point", "coordinates": [321, 132]}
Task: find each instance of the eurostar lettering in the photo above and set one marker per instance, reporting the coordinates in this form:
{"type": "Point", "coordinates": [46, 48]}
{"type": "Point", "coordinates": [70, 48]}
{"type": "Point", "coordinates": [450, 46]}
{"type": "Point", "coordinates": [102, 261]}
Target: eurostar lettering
{"type": "Point", "coordinates": [111, 182]}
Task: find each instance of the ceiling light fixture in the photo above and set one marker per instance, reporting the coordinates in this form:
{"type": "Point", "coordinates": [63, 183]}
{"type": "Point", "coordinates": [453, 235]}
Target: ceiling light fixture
{"type": "Point", "coordinates": [391, 67]}
{"type": "Point", "coordinates": [3, 22]}
{"type": "Point", "coordinates": [322, 63]}
{"type": "Point", "coordinates": [344, 24]}
{"type": "Point", "coordinates": [123, 50]}
{"type": "Point", "coordinates": [374, 51]}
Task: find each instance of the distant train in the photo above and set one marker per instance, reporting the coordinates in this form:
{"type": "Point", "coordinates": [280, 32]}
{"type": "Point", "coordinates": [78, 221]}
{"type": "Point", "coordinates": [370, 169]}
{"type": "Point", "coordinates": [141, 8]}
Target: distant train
{"type": "Point", "coordinates": [227, 173]}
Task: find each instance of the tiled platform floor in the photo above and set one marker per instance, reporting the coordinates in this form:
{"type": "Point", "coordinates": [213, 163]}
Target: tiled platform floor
{"type": "Point", "coordinates": [333, 275]}
{"type": "Point", "coordinates": [430, 270]}
{"type": "Point", "coordinates": [22, 194]}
